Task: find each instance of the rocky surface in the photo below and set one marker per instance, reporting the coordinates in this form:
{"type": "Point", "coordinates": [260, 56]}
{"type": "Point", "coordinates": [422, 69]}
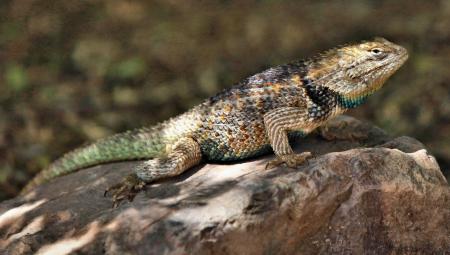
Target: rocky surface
{"type": "Point", "coordinates": [372, 195]}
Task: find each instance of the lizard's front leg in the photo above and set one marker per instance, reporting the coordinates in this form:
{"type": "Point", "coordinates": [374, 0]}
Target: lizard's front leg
{"type": "Point", "coordinates": [183, 155]}
{"type": "Point", "coordinates": [278, 123]}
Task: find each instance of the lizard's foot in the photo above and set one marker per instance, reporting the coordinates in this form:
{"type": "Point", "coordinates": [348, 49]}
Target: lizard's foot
{"type": "Point", "coordinates": [339, 131]}
{"type": "Point", "coordinates": [291, 160]}
{"type": "Point", "coordinates": [127, 189]}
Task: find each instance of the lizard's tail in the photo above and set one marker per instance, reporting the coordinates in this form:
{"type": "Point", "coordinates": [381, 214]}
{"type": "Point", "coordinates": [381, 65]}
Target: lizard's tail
{"type": "Point", "coordinates": [136, 144]}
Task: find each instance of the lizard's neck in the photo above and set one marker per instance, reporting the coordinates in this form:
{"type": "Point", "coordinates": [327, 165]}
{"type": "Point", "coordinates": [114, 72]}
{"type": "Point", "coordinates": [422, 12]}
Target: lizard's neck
{"type": "Point", "coordinates": [349, 102]}
{"type": "Point", "coordinates": [356, 97]}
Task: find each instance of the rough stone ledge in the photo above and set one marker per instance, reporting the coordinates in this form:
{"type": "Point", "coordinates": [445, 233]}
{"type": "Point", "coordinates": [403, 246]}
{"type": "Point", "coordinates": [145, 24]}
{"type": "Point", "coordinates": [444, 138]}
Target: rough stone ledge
{"type": "Point", "coordinates": [375, 195]}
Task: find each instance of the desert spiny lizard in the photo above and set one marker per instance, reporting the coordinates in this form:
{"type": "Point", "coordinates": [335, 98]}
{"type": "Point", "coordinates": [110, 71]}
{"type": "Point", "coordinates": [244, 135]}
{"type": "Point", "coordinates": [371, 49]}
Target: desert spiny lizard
{"type": "Point", "coordinates": [256, 116]}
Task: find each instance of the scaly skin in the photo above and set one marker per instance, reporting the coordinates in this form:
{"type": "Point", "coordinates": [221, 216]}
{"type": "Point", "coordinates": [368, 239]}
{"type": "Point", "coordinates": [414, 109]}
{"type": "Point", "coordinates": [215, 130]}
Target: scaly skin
{"type": "Point", "coordinates": [258, 115]}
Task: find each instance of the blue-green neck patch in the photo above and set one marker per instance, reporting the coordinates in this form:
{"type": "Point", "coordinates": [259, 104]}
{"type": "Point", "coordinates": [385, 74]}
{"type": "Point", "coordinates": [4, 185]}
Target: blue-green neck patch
{"type": "Point", "coordinates": [349, 102]}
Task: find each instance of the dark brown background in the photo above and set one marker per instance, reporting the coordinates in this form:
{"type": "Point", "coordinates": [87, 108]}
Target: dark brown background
{"type": "Point", "coordinates": [76, 70]}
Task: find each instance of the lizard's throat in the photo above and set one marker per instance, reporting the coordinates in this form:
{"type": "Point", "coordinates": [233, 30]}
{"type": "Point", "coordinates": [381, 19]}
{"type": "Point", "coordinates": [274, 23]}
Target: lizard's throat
{"type": "Point", "coordinates": [348, 102]}
{"type": "Point", "coordinates": [358, 97]}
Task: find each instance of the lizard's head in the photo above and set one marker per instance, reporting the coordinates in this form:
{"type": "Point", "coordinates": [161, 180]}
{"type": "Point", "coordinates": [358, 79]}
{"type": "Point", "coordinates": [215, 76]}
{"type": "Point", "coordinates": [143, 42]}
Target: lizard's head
{"type": "Point", "coordinates": [371, 63]}
{"type": "Point", "coordinates": [361, 68]}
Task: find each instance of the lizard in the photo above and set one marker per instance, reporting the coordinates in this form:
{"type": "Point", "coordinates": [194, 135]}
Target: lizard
{"type": "Point", "coordinates": [260, 114]}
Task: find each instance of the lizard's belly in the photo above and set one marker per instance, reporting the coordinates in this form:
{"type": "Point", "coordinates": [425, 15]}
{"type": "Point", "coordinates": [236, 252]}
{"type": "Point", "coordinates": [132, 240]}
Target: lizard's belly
{"type": "Point", "coordinates": [221, 146]}
{"type": "Point", "coordinates": [232, 140]}
{"type": "Point", "coordinates": [213, 151]}
{"type": "Point", "coordinates": [234, 148]}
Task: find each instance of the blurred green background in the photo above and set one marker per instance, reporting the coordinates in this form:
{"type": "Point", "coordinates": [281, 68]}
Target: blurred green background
{"type": "Point", "coordinates": [76, 70]}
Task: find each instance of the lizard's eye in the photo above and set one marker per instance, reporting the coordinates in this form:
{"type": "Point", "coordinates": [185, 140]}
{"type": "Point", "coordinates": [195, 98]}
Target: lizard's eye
{"type": "Point", "coordinates": [377, 52]}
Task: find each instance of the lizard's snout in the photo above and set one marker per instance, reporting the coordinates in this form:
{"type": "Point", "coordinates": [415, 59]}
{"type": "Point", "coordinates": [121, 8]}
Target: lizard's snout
{"type": "Point", "coordinates": [403, 53]}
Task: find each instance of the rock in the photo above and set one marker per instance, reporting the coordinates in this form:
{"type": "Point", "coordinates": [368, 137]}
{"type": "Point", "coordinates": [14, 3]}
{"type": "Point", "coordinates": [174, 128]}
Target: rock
{"type": "Point", "coordinates": [349, 199]}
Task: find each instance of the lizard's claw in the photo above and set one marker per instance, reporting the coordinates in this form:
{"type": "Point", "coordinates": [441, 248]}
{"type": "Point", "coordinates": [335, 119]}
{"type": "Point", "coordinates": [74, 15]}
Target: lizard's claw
{"type": "Point", "coordinates": [292, 160]}
{"type": "Point", "coordinates": [127, 189]}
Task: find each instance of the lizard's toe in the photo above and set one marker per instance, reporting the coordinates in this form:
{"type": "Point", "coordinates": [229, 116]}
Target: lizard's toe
{"type": "Point", "coordinates": [292, 160]}
{"type": "Point", "coordinates": [274, 163]}
{"type": "Point", "coordinates": [127, 189]}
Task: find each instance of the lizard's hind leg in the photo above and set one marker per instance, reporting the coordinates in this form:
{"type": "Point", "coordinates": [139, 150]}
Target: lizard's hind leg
{"type": "Point", "coordinates": [185, 153]}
